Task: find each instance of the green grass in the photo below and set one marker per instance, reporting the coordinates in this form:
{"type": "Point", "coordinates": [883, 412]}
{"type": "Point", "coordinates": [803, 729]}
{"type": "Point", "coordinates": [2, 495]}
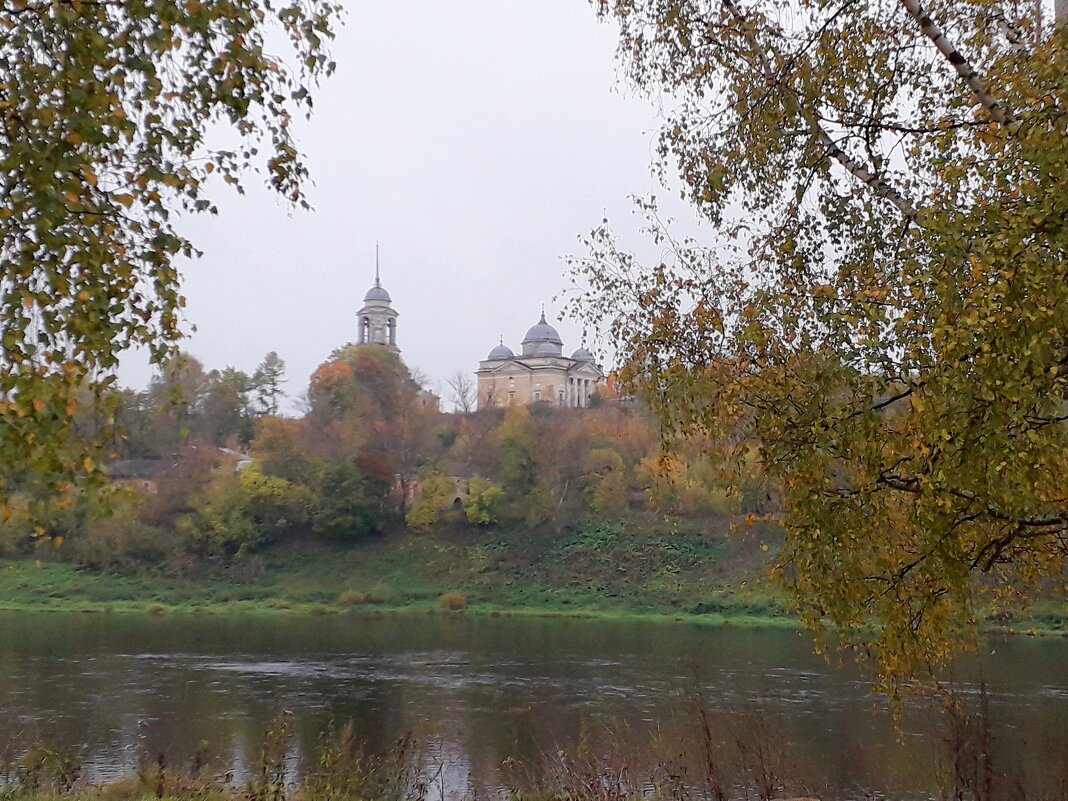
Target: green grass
{"type": "Point", "coordinates": [648, 570]}
{"type": "Point", "coordinates": [692, 571]}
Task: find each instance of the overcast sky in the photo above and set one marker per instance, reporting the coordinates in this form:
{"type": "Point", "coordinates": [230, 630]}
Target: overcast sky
{"type": "Point", "coordinates": [475, 140]}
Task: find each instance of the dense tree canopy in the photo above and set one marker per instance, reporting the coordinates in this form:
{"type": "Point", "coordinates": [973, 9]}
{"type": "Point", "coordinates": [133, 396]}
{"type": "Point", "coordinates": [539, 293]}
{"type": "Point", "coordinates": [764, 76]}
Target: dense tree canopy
{"type": "Point", "coordinates": [884, 309]}
{"type": "Point", "coordinates": [105, 109]}
{"type": "Point", "coordinates": [204, 480]}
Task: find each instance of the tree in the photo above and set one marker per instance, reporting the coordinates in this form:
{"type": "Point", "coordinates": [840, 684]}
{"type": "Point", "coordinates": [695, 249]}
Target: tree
{"type": "Point", "coordinates": [606, 481]}
{"type": "Point", "coordinates": [224, 410]}
{"type": "Point", "coordinates": [174, 396]}
{"type": "Point", "coordinates": [105, 111]}
{"type": "Point", "coordinates": [365, 398]}
{"type": "Point", "coordinates": [517, 444]}
{"type": "Point", "coordinates": [281, 449]}
{"type": "Point", "coordinates": [347, 505]}
{"type": "Point", "coordinates": [267, 384]}
{"type": "Point", "coordinates": [463, 389]}
{"type": "Point", "coordinates": [885, 310]}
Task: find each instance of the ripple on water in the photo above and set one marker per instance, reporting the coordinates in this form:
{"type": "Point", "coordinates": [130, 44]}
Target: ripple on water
{"type": "Point", "coordinates": [507, 696]}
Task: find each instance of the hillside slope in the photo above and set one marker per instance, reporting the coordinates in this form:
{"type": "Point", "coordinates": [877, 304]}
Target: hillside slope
{"type": "Point", "coordinates": [647, 567]}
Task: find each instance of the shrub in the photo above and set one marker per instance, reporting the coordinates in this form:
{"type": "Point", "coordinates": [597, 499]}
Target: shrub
{"type": "Point", "coordinates": [454, 602]}
{"type": "Point", "coordinates": [673, 485]}
{"type": "Point", "coordinates": [120, 539]}
{"type": "Point", "coordinates": [16, 530]}
{"type": "Point", "coordinates": [379, 594]}
{"type": "Point", "coordinates": [241, 514]}
{"type": "Point", "coordinates": [44, 771]}
{"type": "Point", "coordinates": [483, 501]}
{"type": "Point", "coordinates": [434, 493]}
{"type": "Point", "coordinates": [697, 499]}
{"type": "Point", "coordinates": [351, 598]}
{"type": "Point", "coordinates": [606, 480]}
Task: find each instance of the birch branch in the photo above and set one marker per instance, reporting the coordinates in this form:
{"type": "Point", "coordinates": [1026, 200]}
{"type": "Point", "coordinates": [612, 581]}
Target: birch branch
{"type": "Point", "coordinates": [875, 182]}
{"type": "Point", "coordinates": [872, 180]}
{"type": "Point", "coordinates": [961, 64]}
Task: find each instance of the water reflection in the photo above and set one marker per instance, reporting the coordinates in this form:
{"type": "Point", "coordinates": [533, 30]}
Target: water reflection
{"type": "Point", "coordinates": [478, 692]}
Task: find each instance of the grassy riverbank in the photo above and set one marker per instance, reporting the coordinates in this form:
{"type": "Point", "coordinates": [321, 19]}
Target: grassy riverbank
{"type": "Point", "coordinates": [693, 571]}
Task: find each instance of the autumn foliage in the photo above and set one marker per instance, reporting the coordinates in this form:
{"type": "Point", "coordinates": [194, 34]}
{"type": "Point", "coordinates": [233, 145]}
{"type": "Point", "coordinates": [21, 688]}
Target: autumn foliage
{"type": "Point", "coordinates": [372, 454]}
{"type": "Point", "coordinates": [882, 303]}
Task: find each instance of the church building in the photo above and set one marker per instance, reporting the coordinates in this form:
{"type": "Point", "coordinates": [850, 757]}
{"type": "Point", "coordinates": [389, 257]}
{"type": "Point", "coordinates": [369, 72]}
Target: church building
{"type": "Point", "coordinates": [540, 374]}
{"type": "Point", "coordinates": [377, 320]}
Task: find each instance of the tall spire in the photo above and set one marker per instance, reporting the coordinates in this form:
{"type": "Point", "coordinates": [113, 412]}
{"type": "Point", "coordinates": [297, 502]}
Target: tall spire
{"type": "Point", "coordinates": [377, 281]}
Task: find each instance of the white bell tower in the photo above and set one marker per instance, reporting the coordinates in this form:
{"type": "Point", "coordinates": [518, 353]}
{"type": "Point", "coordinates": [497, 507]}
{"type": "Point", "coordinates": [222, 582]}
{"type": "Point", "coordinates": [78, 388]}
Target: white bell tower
{"type": "Point", "coordinates": [377, 321]}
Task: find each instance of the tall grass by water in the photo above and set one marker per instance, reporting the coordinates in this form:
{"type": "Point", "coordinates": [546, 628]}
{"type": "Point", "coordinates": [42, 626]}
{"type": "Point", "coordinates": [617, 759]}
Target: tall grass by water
{"type": "Point", "coordinates": [738, 754]}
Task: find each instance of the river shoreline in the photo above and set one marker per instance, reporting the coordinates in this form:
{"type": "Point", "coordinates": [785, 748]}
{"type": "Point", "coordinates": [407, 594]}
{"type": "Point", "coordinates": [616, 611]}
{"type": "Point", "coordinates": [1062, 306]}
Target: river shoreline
{"type": "Point", "coordinates": [701, 573]}
{"type": "Point", "coordinates": [66, 593]}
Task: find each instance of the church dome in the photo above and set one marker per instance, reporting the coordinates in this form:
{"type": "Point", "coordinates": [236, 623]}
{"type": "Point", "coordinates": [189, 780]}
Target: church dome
{"type": "Point", "coordinates": [543, 332]}
{"type": "Point", "coordinates": [376, 293]}
{"type": "Point", "coordinates": [546, 349]}
{"type": "Point", "coordinates": [539, 334]}
{"type": "Point", "coordinates": [501, 351]}
{"type": "Point", "coordinates": [582, 355]}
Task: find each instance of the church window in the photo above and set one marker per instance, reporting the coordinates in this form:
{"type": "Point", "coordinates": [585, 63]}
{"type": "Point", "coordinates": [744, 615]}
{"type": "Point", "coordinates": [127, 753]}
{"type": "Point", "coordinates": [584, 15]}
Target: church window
{"type": "Point", "coordinates": [365, 331]}
{"type": "Point", "coordinates": [537, 395]}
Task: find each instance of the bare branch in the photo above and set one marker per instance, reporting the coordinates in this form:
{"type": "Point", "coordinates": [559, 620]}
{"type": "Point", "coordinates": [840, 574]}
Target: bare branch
{"type": "Point", "coordinates": [463, 391]}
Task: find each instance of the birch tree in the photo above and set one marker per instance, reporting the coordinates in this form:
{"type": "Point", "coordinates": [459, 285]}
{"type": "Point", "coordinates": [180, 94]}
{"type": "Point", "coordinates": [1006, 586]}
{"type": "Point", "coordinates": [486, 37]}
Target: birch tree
{"type": "Point", "coordinates": [105, 113]}
{"type": "Point", "coordinates": [883, 306]}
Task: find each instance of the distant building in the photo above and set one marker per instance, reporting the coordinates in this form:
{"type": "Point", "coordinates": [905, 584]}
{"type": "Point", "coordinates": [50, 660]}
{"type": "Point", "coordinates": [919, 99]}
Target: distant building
{"type": "Point", "coordinates": [146, 475]}
{"type": "Point", "coordinates": [142, 474]}
{"type": "Point", "coordinates": [540, 374]}
{"type": "Point", "coordinates": [377, 320]}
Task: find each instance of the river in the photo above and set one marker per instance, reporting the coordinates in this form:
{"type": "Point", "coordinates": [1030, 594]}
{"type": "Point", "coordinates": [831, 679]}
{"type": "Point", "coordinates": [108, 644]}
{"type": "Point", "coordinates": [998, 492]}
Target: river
{"type": "Point", "coordinates": [484, 695]}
